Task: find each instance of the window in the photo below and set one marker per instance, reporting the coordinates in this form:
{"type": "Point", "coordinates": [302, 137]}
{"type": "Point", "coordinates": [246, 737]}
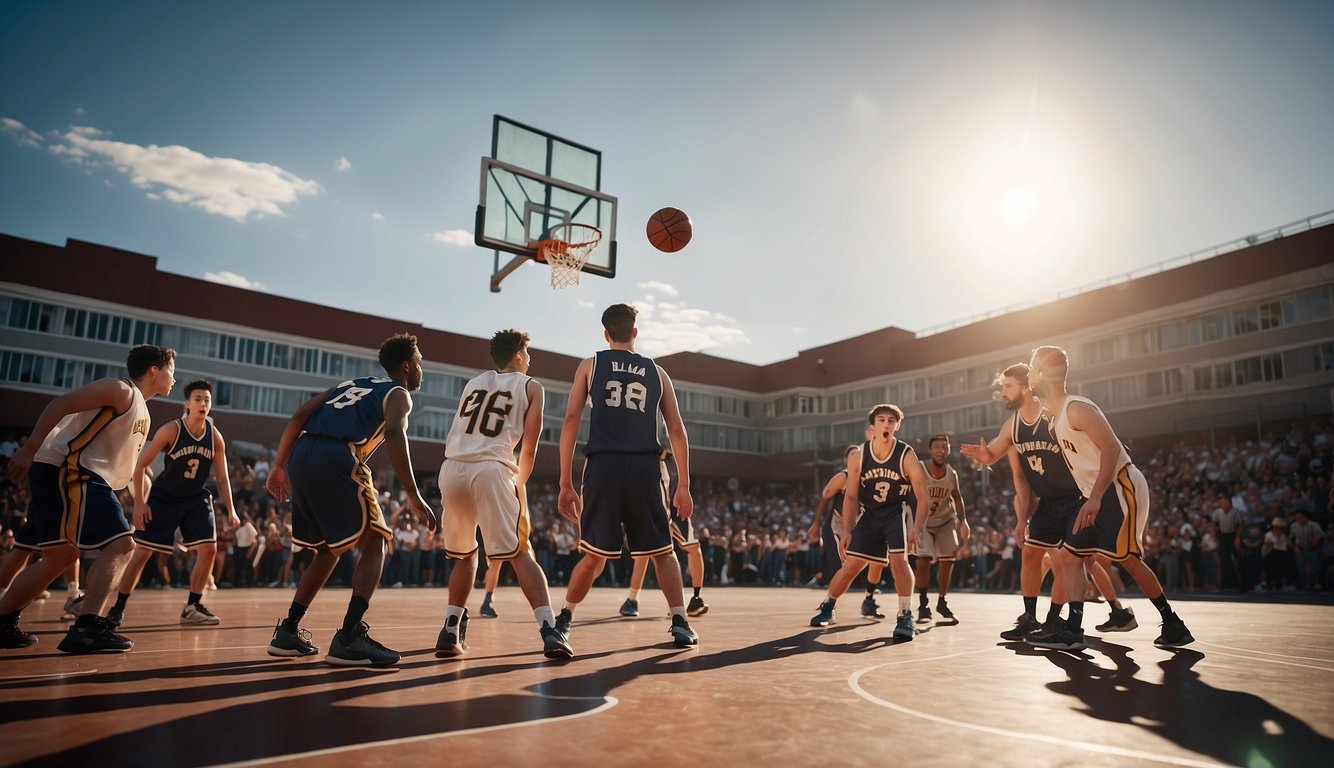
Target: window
{"type": "Point", "coordinates": [1245, 321]}
{"type": "Point", "coordinates": [1271, 315]}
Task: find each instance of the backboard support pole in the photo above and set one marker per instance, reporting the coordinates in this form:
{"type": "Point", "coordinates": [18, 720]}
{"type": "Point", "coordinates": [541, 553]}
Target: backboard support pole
{"type": "Point", "coordinates": [499, 273]}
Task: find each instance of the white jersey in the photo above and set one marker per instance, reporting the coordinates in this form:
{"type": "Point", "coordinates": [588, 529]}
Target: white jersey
{"type": "Point", "coordinates": [100, 441]}
{"type": "Point", "coordinates": [940, 493]}
{"type": "Point", "coordinates": [489, 422]}
{"type": "Point", "coordinates": [1080, 454]}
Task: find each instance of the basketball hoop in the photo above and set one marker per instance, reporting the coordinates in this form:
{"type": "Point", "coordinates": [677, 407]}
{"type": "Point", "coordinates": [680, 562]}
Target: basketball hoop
{"type": "Point", "coordinates": [567, 249]}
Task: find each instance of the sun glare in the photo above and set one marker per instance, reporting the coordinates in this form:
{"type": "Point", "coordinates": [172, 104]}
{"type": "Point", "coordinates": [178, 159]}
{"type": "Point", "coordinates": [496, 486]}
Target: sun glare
{"type": "Point", "coordinates": [1020, 203]}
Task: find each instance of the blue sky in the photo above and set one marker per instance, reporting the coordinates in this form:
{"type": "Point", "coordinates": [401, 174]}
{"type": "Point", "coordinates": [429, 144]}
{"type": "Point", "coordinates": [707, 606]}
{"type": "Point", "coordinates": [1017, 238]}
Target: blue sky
{"type": "Point", "coordinates": [848, 166]}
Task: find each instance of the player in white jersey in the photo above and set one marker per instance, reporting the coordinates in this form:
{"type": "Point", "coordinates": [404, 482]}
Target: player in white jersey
{"type": "Point", "coordinates": [81, 451]}
{"type": "Point", "coordinates": [1110, 524]}
{"type": "Point", "coordinates": [946, 529]}
{"type": "Point", "coordinates": [482, 486]}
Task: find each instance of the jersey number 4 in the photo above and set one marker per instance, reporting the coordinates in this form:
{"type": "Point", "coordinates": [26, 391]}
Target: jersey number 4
{"type": "Point", "coordinates": [486, 411]}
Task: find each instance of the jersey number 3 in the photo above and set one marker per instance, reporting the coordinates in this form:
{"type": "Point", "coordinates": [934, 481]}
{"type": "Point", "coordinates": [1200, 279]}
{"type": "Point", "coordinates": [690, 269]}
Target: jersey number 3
{"type": "Point", "coordinates": [632, 395]}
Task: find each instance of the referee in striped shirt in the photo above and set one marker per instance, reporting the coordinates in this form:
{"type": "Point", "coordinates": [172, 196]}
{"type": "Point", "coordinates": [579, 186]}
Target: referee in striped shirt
{"type": "Point", "coordinates": [1229, 547]}
{"type": "Point", "coordinates": [1307, 535]}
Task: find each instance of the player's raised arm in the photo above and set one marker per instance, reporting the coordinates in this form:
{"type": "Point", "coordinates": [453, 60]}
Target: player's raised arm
{"type": "Point", "coordinates": [990, 453]}
{"type": "Point", "coordinates": [567, 504]}
{"type": "Point", "coordinates": [676, 435]}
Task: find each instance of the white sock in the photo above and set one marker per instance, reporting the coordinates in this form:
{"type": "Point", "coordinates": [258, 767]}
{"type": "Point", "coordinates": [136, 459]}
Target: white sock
{"type": "Point", "coordinates": [905, 603]}
{"type": "Point", "coordinates": [830, 597]}
{"type": "Point", "coordinates": [72, 589]}
{"type": "Point", "coordinates": [634, 594]}
{"type": "Point", "coordinates": [453, 614]}
{"type": "Point", "coordinates": [569, 606]}
{"type": "Point", "coordinates": [544, 616]}
{"type": "Point", "coordinates": [678, 610]}
{"type": "Point", "coordinates": [1116, 604]}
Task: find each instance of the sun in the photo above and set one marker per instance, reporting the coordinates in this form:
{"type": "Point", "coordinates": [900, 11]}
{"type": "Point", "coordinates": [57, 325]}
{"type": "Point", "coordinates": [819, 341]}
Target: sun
{"type": "Point", "coordinates": [1020, 203]}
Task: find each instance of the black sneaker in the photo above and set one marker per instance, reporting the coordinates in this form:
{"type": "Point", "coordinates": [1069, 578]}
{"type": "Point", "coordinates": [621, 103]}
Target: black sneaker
{"type": "Point", "coordinates": [697, 606]}
{"type": "Point", "coordinates": [870, 609]}
{"type": "Point", "coordinates": [923, 614]}
{"type": "Point", "coordinates": [359, 649]}
{"type": "Point", "coordinates": [554, 644]}
{"type": "Point", "coordinates": [630, 607]}
{"type": "Point", "coordinates": [1121, 620]}
{"type": "Point", "coordinates": [903, 626]}
{"type": "Point", "coordinates": [825, 617]}
{"type": "Point", "coordinates": [291, 644]}
{"type": "Point", "coordinates": [92, 634]}
{"type": "Point", "coordinates": [682, 635]}
{"type": "Point", "coordinates": [488, 610]}
{"type": "Point", "coordinates": [1025, 626]}
{"type": "Point", "coordinates": [563, 621]}
{"type": "Point", "coordinates": [1174, 633]}
{"type": "Point", "coordinates": [1065, 639]}
{"type": "Point", "coordinates": [13, 637]}
{"type": "Point", "coordinates": [452, 640]}
{"type": "Point", "coordinates": [944, 611]}
{"type": "Point", "coordinates": [1049, 627]}
{"type": "Point", "coordinates": [116, 615]}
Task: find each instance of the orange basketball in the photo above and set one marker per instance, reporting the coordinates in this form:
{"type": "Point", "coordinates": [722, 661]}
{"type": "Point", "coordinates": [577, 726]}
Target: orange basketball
{"type": "Point", "coordinates": [669, 230]}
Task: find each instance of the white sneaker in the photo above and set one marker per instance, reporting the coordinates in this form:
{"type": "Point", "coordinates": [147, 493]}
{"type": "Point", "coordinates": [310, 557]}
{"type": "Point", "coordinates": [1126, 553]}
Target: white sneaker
{"type": "Point", "coordinates": [73, 604]}
{"type": "Point", "coordinates": [196, 613]}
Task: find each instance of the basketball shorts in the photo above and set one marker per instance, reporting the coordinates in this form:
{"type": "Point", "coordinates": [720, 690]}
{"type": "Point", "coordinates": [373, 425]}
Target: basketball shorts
{"type": "Point", "coordinates": [940, 543]}
{"type": "Point", "coordinates": [683, 531]}
{"type": "Point", "coordinates": [194, 517]}
{"type": "Point", "coordinates": [1047, 526]}
{"type": "Point", "coordinates": [333, 499]}
{"type": "Point", "coordinates": [1118, 530]}
{"type": "Point", "coordinates": [71, 505]}
{"type": "Point", "coordinates": [482, 495]}
{"type": "Point", "coordinates": [876, 536]}
{"type": "Point", "coordinates": [624, 504]}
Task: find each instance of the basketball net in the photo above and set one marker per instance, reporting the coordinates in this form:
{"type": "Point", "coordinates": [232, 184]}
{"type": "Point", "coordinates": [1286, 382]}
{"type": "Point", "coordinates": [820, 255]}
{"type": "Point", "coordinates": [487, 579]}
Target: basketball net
{"type": "Point", "coordinates": [567, 249]}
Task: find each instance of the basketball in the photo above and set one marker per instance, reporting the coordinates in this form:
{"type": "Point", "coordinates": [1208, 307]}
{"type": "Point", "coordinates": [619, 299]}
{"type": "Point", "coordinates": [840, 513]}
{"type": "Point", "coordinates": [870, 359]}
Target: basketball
{"type": "Point", "coordinates": [669, 230]}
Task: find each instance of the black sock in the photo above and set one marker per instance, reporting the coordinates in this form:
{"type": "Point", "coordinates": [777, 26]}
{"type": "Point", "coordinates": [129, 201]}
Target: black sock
{"type": "Point", "coordinates": [870, 589]}
{"type": "Point", "coordinates": [356, 608]}
{"type": "Point", "coordinates": [1160, 602]}
{"type": "Point", "coordinates": [696, 591]}
{"type": "Point", "coordinates": [121, 600]}
{"type": "Point", "coordinates": [1031, 607]}
{"type": "Point", "coordinates": [1076, 620]}
{"type": "Point", "coordinates": [10, 618]}
{"type": "Point", "coordinates": [295, 614]}
{"type": "Point", "coordinates": [921, 597]}
{"type": "Point", "coordinates": [194, 598]}
{"type": "Point", "coordinates": [1054, 612]}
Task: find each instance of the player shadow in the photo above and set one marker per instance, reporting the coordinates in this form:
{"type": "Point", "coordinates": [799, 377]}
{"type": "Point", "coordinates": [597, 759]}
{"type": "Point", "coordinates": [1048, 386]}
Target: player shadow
{"type": "Point", "coordinates": [1234, 727]}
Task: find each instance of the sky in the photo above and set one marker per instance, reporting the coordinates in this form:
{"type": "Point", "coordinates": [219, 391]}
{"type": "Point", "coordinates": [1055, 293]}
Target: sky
{"type": "Point", "coordinates": [847, 166]}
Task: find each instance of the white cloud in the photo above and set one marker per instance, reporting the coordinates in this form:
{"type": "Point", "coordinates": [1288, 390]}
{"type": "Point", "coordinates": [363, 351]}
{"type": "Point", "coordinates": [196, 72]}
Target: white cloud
{"type": "Point", "coordinates": [583, 303]}
{"type": "Point", "coordinates": [342, 164]}
{"type": "Point", "coordinates": [674, 326]}
{"type": "Point", "coordinates": [865, 112]}
{"type": "Point", "coordinates": [377, 216]}
{"type": "Point", "coordinates": [459, 237]}
{"type": "Point", "coordinates": [21, 133]}
{"type": "Point", "coordinates": [80, 111]}
{"type": "Point", "coordinates": [237, 189]}
{"type": "Point", "coordinates": [233, 279]}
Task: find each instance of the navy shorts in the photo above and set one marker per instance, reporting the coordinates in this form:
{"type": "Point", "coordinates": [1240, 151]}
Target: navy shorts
{"type": "Point", "coordinates": [333, 499]}
{"type": "Point", "coordinates": [1047, 526]}
{"type": "Point", "coordinates": [878, 535]}
{"type": "Point", "coordinates": [1118, 529]}
{"type": "Point", "coordinates": [624, 504]}
{"type": "Point", "coordinates": [194, 517]}
{"type": "Point", "coordinates": [71, 505]}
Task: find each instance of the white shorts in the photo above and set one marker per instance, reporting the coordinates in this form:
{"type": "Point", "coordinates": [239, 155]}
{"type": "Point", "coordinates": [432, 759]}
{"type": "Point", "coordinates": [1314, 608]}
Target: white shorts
{"type": "Point", "coordinates": [939, 543]}
{"type": "Point", "coordinates": [482, 494]}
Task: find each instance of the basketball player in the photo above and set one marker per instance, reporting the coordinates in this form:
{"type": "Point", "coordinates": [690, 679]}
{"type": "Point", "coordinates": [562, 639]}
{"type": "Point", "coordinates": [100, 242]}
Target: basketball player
{"type": "Point", "coordinates": [483, 487]}
{"type": "Point", "coordinates": [829, 527]}
{"type": "Point", "coordinates": [334, 504]}
{"type": "Point", "coordinates": [179, 501]}
{"type": "Point", "coordinates": [622, 480]}
{"type": "Point", "coordinates": [683, 536]}
{"type": "Point", "coordinates": [887, 473]}
{"type": "Point", "coordinates": [946, 529]}
{"type": "Point", "coordinates": [1111, 521]}
{"type": "Point", "coordinates": [82, 449]}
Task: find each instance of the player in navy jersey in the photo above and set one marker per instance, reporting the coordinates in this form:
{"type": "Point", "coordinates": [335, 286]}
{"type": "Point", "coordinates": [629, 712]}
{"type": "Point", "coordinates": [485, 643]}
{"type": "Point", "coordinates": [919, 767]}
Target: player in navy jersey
{"type": "Point", "coordinates": [884, 473]}
{"type": "Point", "coordinates": [179, 501]}
{"type": "Point", "coordinates": [81, 451]}
{"type": "Point", "coordinates": [623, 498]}
{"type": "Point", "coordinates": [321, 465]}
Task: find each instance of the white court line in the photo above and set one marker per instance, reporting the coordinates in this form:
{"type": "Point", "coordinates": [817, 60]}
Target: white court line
{"type": "Point", "coordinates": [1246, 654]}
{"type": "Point", "coordinates": [608, 703]}
{"type": "Point", "coordinates": [14, 678]}
{"type": "Point", "coordinates": [1267, 653]}
{"type": "Point", "coordinates": [854, 682]}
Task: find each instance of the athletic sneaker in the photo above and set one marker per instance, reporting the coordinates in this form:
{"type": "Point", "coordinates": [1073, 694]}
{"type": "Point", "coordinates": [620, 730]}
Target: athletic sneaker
{"type": "Point", "coordinates": [290, 644]}
{"type": "Point", "coordinates": [682, 635]}
{"type": "Point", "coordinates": [1049, 627]}
{"type": "Point", "coordinates": [92, 634]}
{"type": "Point", "coordinates": [1121, 620]}
{"type": "Point", "coordinates": [903, 626]}
{"type": "Point", "coordinates": [870, 609]}
{"type": "Point", "coordinates": [1025, 626]}
{"type": "Point", "coordinates": [13, 637]}
{"type": "Point", "coordinates": [563, 621]}
{"type": "Point", "coordinates": [452, 641]}
{"type": "Point", "coordinates": [359, 650]}
{"type": "Point", "coordinates": [1065, 639]}
{"type": "Point", "coordinates": [630, 607]}
{"type": "Point", "coordinates": [923, 614]}
{"type": "Point", "coordinates": [73, 606]}
{"type": "Point", "coordinates": [1174, 633]}
{"type": "Point", "coordinates": [116, 615]}
{"type": "Point", "coordinates": [488, 610]}
{"type": "Point", "coordinates": [196, 613]}
{"type": "Point", "coordinates": [554, 644]}
{"type": "Point", "coordinates": [697, 606]}
{"type": "Point", "coordinates": [826, 615]}
{"type": "Point", "coordinates": [944, 611]}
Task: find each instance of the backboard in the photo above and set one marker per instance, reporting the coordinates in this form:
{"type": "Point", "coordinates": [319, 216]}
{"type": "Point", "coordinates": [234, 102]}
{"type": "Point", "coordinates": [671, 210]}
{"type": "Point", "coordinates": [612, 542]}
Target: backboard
{"type": "Point", "coordinates": [533, 181]}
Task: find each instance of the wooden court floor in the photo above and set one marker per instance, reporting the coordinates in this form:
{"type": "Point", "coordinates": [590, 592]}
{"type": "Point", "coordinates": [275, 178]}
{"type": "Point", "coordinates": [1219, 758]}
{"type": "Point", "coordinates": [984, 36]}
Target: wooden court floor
{"type": "Point", "coordinates": [1256, 689]}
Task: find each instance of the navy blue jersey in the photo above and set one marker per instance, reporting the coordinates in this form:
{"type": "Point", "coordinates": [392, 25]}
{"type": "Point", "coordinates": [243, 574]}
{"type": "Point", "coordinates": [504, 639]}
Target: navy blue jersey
{"type": "Point", "coordinates": [1040, 456]}
{"type": "Point", "coordinates": [626, 390]}
{"type": "Point", "coordinates": [836, 501]}
{"type": "Point", "coordinates": [354, 414]}
{"type": "Point", "coordinates": [187, 465]}
{"type": "Point", "coordinates": [883, 486]}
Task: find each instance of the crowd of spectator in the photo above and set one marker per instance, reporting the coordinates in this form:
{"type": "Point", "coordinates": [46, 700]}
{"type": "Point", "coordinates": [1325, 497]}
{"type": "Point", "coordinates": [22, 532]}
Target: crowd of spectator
{"type": "Point", "coordinates": [1239, 515]}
